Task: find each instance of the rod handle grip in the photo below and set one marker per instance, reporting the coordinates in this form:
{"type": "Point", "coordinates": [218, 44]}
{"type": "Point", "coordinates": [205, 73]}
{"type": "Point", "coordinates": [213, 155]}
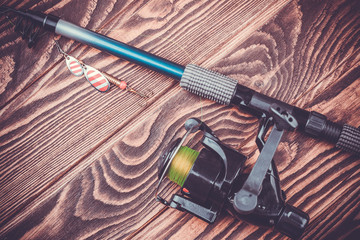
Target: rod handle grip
{"type": "Point", "coordinates": [344, 136]}
{"type": "Point", "coordinates": [208, 84]}
{"type": "Point", "coordinates": [349, 139]}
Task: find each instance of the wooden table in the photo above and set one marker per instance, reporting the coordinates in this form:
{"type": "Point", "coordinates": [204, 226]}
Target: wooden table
{"type": "Point", "coordinates": [79, 164]}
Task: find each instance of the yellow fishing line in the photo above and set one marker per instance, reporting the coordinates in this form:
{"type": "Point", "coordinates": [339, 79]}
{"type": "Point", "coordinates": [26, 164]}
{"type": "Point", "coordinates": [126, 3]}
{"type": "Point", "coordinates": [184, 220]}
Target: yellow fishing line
{"type": "Point", "coordinates": [181, 165]}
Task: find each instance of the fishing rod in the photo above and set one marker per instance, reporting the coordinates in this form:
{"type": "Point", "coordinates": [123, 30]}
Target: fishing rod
{"type": "Point", "coordinates": [195, 79]}
{"type": "Point", "coordinates": [212, 179]}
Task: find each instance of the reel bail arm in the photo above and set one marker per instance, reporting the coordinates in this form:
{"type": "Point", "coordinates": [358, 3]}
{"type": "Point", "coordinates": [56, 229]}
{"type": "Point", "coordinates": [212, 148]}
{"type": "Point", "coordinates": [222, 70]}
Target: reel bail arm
{"type": "Point", "coordinates": [260, 200]}
{"type": "Point", "coordinates": [245, 200]}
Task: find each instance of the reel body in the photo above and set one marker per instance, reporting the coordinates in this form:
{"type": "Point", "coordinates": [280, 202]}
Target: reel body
{"type": "Point", "coordinates": [211, 180]}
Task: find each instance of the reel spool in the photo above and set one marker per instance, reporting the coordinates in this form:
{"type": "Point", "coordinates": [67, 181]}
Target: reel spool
{"type": "Point", "coordinates": [181, 165]}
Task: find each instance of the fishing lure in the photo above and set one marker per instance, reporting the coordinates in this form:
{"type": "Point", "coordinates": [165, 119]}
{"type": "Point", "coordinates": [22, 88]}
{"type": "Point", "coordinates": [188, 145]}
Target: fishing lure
{"type": "Point", "coordinates": [98, 79]}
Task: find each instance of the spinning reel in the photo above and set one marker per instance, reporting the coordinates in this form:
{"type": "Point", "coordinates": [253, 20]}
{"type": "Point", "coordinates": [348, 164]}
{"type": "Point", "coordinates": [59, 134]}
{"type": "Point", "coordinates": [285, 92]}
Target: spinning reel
{"type": "Point", "coordinates": [212, 179]}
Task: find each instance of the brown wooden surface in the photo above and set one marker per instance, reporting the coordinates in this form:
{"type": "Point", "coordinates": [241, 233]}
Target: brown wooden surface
{"type": "Point", "coordinates": [78, 164]}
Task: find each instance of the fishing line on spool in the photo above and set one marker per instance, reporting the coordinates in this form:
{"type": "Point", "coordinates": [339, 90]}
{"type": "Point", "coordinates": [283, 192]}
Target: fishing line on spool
{"type": "Point", "coordinates": [181, 165]}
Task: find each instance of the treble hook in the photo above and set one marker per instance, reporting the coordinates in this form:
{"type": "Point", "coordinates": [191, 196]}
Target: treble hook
{"type": "Point", "coordinates": [143, 95]}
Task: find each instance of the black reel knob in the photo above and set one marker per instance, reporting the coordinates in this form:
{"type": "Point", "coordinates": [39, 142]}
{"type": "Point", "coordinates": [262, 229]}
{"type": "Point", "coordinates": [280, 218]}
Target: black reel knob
{"type": "Point", "coordinates": [292, 222]}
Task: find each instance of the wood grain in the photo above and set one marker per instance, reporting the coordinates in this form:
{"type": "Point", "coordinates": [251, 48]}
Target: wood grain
{"type": "Point", "coordinates": [123, 182]}
{"type": "Point", "coordinates": [51, 122]}
{"type": "Point", "coordinates": [306, 55]}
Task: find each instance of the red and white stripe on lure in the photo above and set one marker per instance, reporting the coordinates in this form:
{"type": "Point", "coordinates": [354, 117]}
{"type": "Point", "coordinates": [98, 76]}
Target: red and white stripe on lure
{"type": "Point", "coordinates": [74, 66]}
{"type": "Point", "coordinates": [94, 76]}
{"type": "Point", "coordinates": [96, 79]}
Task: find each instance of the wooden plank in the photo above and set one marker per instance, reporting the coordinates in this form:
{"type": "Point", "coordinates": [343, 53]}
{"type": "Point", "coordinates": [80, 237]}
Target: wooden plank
{"type": "Point", "coordinates": [349, 229]}
{"type": "Point", "coordinates": [69, 116]}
